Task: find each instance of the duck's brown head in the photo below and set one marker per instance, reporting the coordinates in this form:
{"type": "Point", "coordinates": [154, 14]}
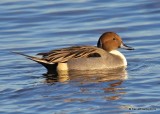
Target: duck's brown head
{"type": "Point", "coordinates": [111, 41]}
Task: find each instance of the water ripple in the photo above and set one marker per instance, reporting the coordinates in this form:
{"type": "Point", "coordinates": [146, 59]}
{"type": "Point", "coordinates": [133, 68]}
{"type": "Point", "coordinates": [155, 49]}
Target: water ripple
{"type": "Point", "coordinates": [37, 26]}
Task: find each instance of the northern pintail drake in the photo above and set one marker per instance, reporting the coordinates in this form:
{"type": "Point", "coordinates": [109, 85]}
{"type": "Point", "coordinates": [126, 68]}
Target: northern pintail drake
{"type": "Point", "coordinates": [103, 56]}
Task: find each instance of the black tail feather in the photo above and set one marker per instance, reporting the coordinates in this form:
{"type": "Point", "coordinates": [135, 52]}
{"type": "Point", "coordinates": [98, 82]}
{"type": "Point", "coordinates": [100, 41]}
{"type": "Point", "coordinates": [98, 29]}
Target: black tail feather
{"type": "Point", "coordinates": [19, 53]}
{"type": "Point", "coordinates": [51, 67]}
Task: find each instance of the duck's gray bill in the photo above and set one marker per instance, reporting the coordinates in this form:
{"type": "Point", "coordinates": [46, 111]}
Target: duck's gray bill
{"type": "Point", "coordinates": [124, 46]}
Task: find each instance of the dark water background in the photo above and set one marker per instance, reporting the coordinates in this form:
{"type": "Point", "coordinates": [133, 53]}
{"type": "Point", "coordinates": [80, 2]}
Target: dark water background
{"type": "Point", "coordinates": [32, 26]}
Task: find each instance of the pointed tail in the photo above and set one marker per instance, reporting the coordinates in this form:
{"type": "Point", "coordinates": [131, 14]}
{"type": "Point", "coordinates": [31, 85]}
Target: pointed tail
{"type": "Point", "coordinates": [36, 59]}
{"type": "Point", "coordinates": [19, 53]}
{"type": "Point", "coordinates": [51, 67]}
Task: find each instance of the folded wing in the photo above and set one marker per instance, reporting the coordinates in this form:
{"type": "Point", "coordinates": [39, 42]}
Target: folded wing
{"type": "Point", "coordinates": [65, 54]}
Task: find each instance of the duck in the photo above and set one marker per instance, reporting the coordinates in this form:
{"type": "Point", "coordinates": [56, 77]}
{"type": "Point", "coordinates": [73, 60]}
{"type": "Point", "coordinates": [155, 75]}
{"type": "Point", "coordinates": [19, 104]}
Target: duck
{"type": "Point", "coordinates": [103, 56]}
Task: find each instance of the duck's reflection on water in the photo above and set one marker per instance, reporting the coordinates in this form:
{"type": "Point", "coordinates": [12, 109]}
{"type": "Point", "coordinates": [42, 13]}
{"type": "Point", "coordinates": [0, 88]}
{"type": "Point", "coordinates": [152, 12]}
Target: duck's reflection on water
{"type": "Point", "coordinates": [114, 79]}
{"type": "Point", "coordinates": [87, 76]}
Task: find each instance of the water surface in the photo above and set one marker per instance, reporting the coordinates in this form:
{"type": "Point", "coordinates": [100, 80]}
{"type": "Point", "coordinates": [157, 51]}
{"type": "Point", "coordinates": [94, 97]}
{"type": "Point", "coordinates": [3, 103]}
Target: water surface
{"type": "Point", "coordinates": [31, 27]}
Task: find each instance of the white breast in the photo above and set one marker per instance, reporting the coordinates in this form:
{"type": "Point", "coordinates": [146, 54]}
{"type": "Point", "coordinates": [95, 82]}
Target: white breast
{"type": "Point", "coordinates": [115, 52]}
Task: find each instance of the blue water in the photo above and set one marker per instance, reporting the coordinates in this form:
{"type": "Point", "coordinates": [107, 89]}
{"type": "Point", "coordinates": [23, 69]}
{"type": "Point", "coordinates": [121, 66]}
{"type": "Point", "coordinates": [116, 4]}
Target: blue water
{"type": "Point", "coordinates": [32, 26]}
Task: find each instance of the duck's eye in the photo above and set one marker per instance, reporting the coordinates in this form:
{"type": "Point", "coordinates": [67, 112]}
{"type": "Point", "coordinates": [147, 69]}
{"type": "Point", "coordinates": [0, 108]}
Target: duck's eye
{"type": "Point", "coordinates": [114, 38]}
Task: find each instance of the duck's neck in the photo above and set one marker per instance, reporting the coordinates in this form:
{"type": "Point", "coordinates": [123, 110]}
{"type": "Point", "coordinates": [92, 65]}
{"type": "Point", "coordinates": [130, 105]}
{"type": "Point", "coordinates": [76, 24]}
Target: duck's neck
{"type": "Point", "coordinates": [117, 53]}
